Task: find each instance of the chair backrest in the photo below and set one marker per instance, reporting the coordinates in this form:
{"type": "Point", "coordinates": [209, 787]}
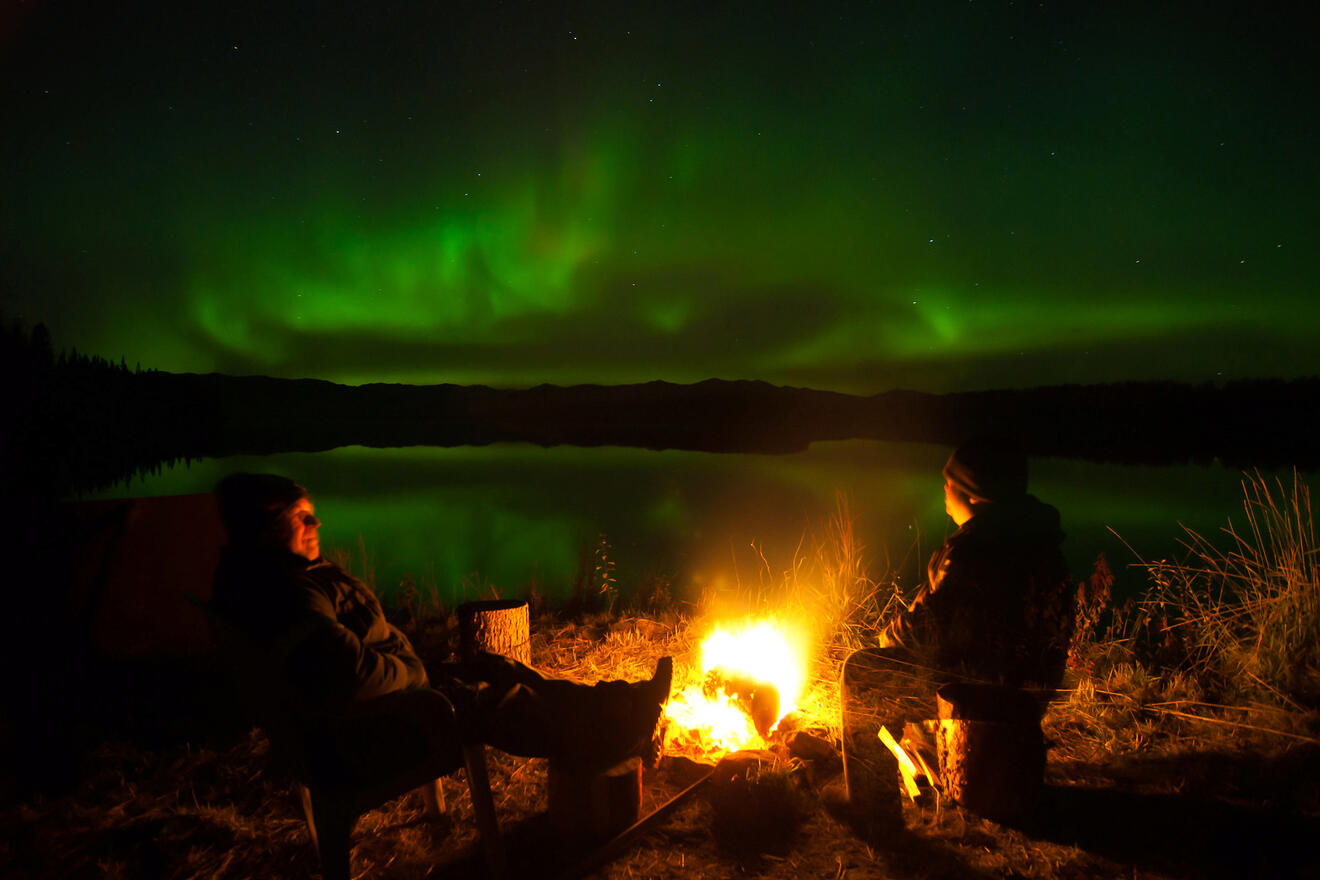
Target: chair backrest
{"type": "Point", "coordinates": [261, 689]}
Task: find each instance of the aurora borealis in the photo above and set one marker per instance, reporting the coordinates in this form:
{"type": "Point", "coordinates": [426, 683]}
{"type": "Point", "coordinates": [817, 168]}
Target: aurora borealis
{"type": "Point", "coordinates": [943, 196]}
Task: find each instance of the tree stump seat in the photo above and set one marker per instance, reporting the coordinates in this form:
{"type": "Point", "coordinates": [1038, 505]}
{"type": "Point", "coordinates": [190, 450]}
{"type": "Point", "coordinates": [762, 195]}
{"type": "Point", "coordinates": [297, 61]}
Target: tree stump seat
{"type": "Point", "coordinates": [594, 803]}
{"type": "Point", "coordinates": [495, 626]}
{"type": "Point", "coordinates": [990, 749]}
{"type": "Point", "coordinates": [989, 745]}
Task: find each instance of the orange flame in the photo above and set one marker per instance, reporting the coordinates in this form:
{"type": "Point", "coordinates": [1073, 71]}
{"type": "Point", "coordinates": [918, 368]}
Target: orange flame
{"type": "Point", "coordinates": [763, 650]}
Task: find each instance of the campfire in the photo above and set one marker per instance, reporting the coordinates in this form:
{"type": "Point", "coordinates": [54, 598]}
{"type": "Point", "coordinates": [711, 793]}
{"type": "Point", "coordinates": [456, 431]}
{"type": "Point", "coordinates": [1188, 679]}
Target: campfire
{"type": "Point", "coordinates": [751, 674]}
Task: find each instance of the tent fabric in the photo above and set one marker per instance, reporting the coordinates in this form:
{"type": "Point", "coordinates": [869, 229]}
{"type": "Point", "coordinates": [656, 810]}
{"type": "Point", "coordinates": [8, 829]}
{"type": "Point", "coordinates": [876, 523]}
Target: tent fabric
{"type": "Point", "coordinates": [132, 562]}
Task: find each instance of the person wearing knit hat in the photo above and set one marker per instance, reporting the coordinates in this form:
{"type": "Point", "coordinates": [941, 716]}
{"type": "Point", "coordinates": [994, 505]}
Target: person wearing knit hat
{"type": "Point", "coordinates": [988, 470]}
{"type": "Point", "coordinates": [997, 607]}
{"type": "Point", "coordinates": [994, 603]}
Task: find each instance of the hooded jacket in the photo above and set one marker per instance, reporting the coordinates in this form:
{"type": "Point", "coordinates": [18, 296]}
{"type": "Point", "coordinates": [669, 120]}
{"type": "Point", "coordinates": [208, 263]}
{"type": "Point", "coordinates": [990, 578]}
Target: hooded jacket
{"type": "Point", "coordinates": [997, 604]}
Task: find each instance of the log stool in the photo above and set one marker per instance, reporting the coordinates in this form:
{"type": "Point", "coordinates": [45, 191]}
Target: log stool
{"type": "Point", "coordinates": [495, 626]}
{"type": "Point", "coordinates": [990, 748]}
{"type": "Point", "coordinates": [593, 804]}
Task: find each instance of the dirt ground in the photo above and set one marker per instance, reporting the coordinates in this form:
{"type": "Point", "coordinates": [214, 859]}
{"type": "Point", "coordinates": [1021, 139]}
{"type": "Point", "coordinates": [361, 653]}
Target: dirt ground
{"type": "Point", "coordinates": [201, 813]}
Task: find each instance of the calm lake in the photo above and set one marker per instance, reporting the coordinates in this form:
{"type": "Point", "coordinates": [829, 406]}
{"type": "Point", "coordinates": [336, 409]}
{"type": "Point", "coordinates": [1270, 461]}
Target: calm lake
{"type": "Point", "coordinates": [510, 514]}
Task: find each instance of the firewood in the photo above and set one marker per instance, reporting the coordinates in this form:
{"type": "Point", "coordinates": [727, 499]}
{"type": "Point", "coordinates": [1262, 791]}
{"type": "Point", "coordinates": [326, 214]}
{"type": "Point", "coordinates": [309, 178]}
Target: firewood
{"type": "Point", "coordinates": [759, 699]}
{"type": "Point", "coordinates": [594, 804]}
{"type": "Point", "coordinates": [812, 747]}
{"type": "Point", "coordinates": [497, 626]}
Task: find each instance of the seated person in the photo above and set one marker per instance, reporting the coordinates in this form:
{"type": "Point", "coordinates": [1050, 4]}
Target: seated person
{"type": "Point", "coordinates": [361, 696]}
{"type": "Point", "coordinates": [996, 609]}
{"type": "Point", "coordinates": [996, 606]}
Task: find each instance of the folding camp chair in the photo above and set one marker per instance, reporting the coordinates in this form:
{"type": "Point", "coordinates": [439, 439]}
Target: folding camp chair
{"type": "Point", "coordinates": [330, 805]}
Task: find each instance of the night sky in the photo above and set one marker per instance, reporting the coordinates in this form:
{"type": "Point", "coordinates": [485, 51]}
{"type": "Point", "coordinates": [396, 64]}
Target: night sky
{"type": "Point", "coordinates": [939, 196]}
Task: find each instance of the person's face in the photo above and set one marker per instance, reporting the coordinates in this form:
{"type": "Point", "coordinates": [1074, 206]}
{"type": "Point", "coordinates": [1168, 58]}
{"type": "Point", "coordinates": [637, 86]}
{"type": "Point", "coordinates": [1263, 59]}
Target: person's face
{"type": "Point", "coordinates": [303, 524]}
{"type": "Point", "coordinates": [956, 504]}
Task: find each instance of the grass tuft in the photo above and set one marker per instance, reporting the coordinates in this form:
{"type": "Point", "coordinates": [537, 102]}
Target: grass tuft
{"type": "Point", "coordinates": [1222, 645]}
{"type": "Point", "coordinates": [1244, 619]}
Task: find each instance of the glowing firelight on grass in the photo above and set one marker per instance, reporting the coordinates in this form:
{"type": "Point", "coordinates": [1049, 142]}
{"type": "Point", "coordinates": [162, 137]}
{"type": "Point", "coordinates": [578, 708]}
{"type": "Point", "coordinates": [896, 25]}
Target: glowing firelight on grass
{"type": "Point", "coordinates": [762, 651]}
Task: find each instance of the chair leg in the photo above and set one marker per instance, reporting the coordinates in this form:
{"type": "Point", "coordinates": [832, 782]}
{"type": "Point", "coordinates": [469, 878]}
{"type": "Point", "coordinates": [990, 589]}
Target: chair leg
{"type": "Point", "coordinates": [331, 827]}
{"type": "Point", "coordinates": [483, 806]}
{"type": "Point", "coordinates": [433, 796]}
{"type": "Point", "coordinates": [305, 798]}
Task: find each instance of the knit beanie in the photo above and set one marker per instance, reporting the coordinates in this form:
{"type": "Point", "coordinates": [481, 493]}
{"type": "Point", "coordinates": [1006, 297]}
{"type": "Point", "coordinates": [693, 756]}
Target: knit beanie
{"type": "Point", "coordinates": [250, 504]}
{"type": "Point", "coordinates": [988, 470]}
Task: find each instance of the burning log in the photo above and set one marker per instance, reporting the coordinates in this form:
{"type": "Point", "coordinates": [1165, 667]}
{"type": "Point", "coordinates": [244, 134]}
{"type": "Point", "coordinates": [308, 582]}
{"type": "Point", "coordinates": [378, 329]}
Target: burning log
{"type": "Point", "coordinates": [991, 750]}
{"type": "Point", "coordinates": [495, 626]}
{"type": "Point", "coordinates": [759, 699]}
{"type": "Point", "coordinates": [751, 673]}
{"type": "Point", "coordinates": [588, 804]}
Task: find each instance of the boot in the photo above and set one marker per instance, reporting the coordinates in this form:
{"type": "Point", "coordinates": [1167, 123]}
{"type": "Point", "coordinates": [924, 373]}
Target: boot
{"type": "Point", "coordinates": [619, 720]}
{"type": "Point", "coordinates": [649, 697]}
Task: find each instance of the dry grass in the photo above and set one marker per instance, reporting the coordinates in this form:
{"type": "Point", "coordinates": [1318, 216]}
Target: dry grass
{"type": "Point", "coordinates": [1245, 619]}
{"type": "Point", "coordinates": [849, 598]}
{"type": "Point", "coordinates": [1223, 647]}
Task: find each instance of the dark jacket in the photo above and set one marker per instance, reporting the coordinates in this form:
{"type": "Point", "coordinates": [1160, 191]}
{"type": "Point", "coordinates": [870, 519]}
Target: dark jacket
{"type": "Point", "coordinates": [323, 629]}
{"type": "Point", "coordinates": [998, 601]}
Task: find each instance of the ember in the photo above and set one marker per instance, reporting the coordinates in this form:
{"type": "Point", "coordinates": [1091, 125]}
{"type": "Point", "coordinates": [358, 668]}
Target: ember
{"type": "Point", "coordinates": [750, 677]}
